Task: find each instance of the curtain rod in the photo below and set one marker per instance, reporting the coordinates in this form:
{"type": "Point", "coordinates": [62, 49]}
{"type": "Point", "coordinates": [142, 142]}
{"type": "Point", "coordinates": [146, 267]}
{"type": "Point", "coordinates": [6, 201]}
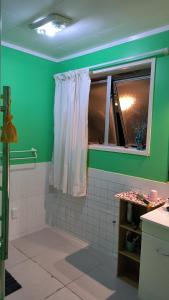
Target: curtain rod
{"type": "Point", "coordinates": [130, 59]}
{"type": "Point", "coordinates": [146, 55]}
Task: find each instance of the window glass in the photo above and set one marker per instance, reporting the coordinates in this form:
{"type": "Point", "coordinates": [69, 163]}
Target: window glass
{"type": "Point", "coordinates": [127, 102]}
{"type": "Point", "coordinates": [134, 98]}
{"type": "Point", "coordinates": [112, 132]}
{"type": "Point", "coordinates": [97, 110]}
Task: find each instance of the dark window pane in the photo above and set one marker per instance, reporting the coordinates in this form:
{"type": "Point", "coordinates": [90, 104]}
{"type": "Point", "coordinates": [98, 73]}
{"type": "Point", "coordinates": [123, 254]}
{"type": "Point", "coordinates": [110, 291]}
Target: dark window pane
{"type": "Point", "coordinates": [112, 135]}
{"type": "Point", "coordinates": [134, 99]}
{"type": "Point", "coordinates": [97, 109]}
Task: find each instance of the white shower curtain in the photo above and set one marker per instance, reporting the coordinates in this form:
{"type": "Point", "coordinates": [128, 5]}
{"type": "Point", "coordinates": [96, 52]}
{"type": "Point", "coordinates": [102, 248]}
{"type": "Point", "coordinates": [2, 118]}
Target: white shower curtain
{"type": "Point", "coordinates": [69, 165]}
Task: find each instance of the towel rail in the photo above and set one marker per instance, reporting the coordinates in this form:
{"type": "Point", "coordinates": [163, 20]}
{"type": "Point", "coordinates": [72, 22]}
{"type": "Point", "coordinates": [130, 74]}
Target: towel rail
{"type": "Point", "coordinates": [33, 150]}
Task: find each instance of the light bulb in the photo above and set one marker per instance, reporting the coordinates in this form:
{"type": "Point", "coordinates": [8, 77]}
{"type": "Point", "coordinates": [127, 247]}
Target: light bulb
{"type": "Point", "coordinates": [126, 102]}
{"type": "Point", "coordinates": [50, 29]}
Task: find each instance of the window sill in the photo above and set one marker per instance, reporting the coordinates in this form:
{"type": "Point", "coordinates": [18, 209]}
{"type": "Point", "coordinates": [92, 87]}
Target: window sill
{"type": "Point", "coordinates": [119, 149]}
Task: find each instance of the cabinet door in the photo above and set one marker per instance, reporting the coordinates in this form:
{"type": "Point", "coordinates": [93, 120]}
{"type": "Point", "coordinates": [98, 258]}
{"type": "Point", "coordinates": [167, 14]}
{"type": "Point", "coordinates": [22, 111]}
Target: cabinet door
{"type": "Point", "coordinates": [154, 269]}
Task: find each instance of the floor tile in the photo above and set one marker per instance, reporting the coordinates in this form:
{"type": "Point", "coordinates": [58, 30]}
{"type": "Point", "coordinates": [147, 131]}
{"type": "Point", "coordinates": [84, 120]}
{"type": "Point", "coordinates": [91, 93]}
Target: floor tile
{"type": "Point", "coordinates": [64, 294]}
{"type": "Point", "coordinates": [14, 257]}
{"type": "Point", "coordinates": [34, 280]}
{"type": "Point", "coordinates": [23, 294]}
{"type": "Point", "coordinates": [69, 268]}
{"type": "Point", "coordinates": [47, 260]}
{"type": "Point", "coordinates": [44, 240]}
{"type": "Point", "coordinates": [102, 284]}
{"type": "Point", "coordinates": [107, 260]}
{"type": "Point", "coordinates": [29, 247]}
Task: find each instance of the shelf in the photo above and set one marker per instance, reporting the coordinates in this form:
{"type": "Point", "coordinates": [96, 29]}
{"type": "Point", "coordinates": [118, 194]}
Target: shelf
{"type": "Point", "coordinates": [131, 255]}
{"type": "Point", "coordinates": [130, 228]}
{"type": "Point", "coordinates": [129, 278]}
{"type": "Point", "coordinates": [128, 267]}
{"type": "Point", "coordinates": [128, 270]}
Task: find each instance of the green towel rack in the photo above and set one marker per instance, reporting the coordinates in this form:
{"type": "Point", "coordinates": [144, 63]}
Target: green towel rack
{"type": "Point", "coordinates": [4, 189]}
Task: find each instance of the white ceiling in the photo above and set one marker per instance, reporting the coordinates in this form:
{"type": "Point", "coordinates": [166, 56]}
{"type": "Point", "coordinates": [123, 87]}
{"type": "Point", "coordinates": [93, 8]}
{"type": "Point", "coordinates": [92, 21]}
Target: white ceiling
{"type": "Point", "coordinates": [95, 22]}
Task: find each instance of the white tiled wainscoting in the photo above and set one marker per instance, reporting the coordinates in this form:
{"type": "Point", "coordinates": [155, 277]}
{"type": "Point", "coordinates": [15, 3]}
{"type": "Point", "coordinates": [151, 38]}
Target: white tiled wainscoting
{"type": "Point", "coordinates": [94, 218]}
{"type": "Point", "coordinates": [28, 190]}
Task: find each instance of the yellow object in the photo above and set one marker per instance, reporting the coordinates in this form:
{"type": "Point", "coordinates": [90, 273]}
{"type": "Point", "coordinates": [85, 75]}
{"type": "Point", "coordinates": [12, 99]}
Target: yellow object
{"type": "Point", "coordinates": [9, 133]}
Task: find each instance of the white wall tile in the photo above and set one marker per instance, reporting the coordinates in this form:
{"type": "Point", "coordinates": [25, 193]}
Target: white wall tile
{"type": "Point", "coordinates": [28, 190]}
{"type": "Point", "coordinates": [91, 218]}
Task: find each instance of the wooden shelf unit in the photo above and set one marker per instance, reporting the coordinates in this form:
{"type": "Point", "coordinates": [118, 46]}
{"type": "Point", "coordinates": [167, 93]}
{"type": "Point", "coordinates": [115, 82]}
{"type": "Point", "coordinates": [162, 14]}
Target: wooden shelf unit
{"type": "Point", "coordinates": [131, 255]}
{"type": "Point", "coordinates": [128, 267]}
{"type": "Point", "coordinates": [129, 262]}
{"type": "Point", "coordinates": [128, 227]}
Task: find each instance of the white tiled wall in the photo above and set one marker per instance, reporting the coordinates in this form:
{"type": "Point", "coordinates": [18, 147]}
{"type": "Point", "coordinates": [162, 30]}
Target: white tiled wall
{"type": "Point", "coordinates": [28, 190]}
{"type": "Point", "coordinates": [92, 218]}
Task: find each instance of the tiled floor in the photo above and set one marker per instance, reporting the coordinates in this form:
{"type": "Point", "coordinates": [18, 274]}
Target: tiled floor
{"type": "Point", "coordinates": [51, 264]}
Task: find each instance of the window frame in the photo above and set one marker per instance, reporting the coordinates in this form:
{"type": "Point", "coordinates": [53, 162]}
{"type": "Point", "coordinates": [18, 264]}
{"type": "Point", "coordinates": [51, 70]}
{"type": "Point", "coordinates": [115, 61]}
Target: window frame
{"type": "Point", "coordinates": [122, 149]}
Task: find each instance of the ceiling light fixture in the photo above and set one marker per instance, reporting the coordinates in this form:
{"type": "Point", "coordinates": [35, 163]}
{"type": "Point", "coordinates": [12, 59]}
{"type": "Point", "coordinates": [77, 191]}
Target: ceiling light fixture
{"type": "Point", "coordinates": [50, 25]}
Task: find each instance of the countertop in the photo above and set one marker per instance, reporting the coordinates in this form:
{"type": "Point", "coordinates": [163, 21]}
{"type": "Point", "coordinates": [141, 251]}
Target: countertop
{"type": "Point", "coordinates": [159, 216]}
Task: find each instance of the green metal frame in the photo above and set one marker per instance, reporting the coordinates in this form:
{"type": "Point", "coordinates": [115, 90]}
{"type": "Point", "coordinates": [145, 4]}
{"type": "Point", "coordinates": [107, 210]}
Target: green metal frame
{"type": "Point", "coordinates": [4, 218]}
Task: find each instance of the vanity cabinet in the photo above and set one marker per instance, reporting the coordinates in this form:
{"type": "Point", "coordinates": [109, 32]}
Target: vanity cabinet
{"type": "Point", "coordinates": [154, 262]}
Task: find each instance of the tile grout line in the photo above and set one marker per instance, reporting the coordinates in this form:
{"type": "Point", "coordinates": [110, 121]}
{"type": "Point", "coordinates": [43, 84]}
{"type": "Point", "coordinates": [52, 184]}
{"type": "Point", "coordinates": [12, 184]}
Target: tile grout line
{"type": "Point", "coordinates": [51, 275]}
{"type": "Point", "coordinates": [62, 289]}
{"type": "Point", "coordinates": [52, 294]}
{"type": "Point", "coordinates": [65, 285]}
{"type": "Point", "coordinates": [22, 252]}
{"type": "Point", "coordinates": [31, 259]}
{"type": "Point", "coordinates": [17, 264]}
{"type": "Point", "coordinates": [82, 275]}
{"type": "Point", "coordinates": [26, 257]}
{"type": "Point", "coordinates": [75, 293]}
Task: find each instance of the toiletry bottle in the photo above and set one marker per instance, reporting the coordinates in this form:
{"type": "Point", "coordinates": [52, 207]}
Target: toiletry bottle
{"type": "Point", "coordinates": [129, 212]}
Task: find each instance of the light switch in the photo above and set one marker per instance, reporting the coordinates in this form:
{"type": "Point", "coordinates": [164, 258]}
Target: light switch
{"type": "Point", "coordinates": [14, 213]}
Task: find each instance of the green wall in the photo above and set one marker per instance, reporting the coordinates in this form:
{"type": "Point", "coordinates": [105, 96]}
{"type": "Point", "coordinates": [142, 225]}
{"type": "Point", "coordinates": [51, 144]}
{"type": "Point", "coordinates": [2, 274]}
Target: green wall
{"type": "Point", "coordinates": [32, 86]}
{"type": "Point", "coordinates": [31, 80]}
{"type": "Point", "coordinates": [156, 166]}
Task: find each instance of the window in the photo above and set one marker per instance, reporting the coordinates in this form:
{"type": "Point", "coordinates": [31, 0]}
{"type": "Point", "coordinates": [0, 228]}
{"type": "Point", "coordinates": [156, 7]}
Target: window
{"type": "Point", "coordinates": [120, 104]}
